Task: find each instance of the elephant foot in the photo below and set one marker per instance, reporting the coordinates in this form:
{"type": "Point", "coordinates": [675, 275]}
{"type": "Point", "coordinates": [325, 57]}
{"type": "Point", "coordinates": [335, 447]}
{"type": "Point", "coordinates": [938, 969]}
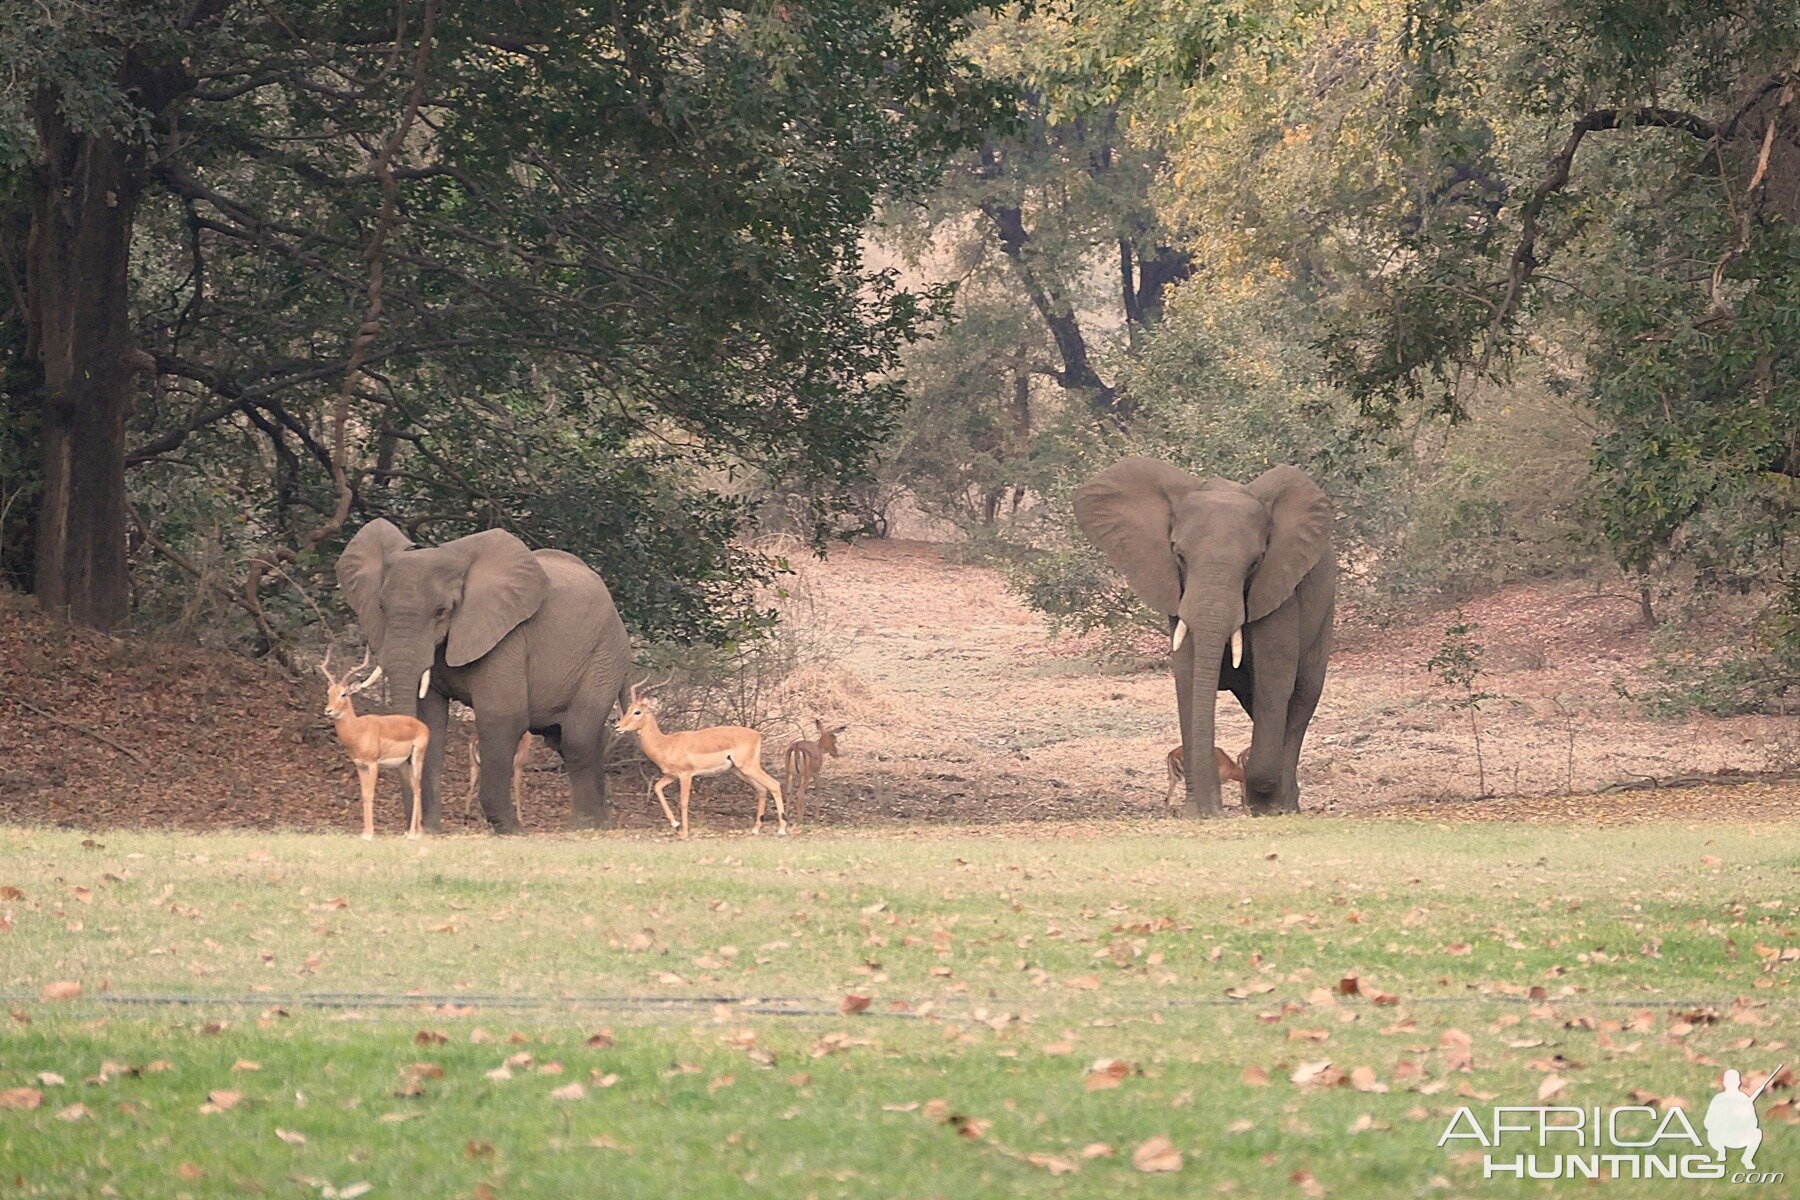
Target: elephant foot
{"type": "Point", "coordinates": [581, 820]}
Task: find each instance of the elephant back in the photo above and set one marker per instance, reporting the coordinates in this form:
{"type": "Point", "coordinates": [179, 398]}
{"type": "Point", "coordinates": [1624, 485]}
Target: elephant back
{"type": "Point", "coordinates": [575, 586]}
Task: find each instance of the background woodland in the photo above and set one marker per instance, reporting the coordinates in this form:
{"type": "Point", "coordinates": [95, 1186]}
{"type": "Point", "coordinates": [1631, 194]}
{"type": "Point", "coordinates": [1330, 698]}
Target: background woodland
{"type": "Point", "coordinates": [690, 290]}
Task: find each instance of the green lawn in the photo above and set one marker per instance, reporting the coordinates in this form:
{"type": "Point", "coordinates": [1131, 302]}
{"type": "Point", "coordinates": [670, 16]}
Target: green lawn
{"type": "Point", "coordinates": [360, 1001]}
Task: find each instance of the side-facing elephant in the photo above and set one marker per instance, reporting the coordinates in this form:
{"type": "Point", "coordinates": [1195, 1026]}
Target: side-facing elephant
{"type": "Point", "coordinates": [529, 640]}
{"type": "Point", "coordinates": [1246, 577]}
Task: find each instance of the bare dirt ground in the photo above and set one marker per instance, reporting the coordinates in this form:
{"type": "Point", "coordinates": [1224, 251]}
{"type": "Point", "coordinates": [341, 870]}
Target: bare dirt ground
{"type": "Point", "coordinates": [963, 709]}
{"type": "Point", "coordinates": [975, 713]}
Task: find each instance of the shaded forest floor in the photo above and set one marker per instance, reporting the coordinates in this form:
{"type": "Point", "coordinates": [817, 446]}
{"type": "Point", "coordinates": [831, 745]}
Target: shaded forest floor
{"type": "Point", "coordinates": [963, 709]}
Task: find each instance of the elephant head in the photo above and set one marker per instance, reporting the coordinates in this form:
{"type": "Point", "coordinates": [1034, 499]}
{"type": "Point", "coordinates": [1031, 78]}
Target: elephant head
{"type": "Point", "coordinates": [1213, 556]}
{"type": "Point", "coordinates": [463, 596]}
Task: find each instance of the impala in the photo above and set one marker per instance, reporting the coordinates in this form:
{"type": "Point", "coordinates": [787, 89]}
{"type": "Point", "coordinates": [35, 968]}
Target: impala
{"type": "Point", "coordinates": [375, 742]}
{"type": "Point", "coordinates": [713, 751]}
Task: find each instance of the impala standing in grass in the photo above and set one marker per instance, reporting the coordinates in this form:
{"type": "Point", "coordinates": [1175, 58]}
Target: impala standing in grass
{"type": "Point", "coordinates": [375, 742]}
{"type": "Point", "coordinates": [712, 751]}
{"type": "Point", "coordinates": [805, 759]}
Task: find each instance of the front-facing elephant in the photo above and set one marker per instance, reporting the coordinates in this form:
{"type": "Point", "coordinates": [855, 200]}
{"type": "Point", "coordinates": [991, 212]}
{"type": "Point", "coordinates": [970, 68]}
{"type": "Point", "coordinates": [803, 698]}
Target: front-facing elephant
{"type": "Point", "coordinates": [529, 640]}
{"type": "Point", "coordinates": [1246, 577]}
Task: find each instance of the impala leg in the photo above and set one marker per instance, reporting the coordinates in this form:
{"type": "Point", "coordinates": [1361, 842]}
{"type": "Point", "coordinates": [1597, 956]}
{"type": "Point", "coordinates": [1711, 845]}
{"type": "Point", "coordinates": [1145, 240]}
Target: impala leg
{"type": "Point", "coordinates": [687, 786]}
{"type": "Point", "coordinates": [762, 801]}
{"type": "Point", "coordinates": [662, 796]}
{"type": "Point", "coordinates": [416, 829]}
{"type": "Point", "coordinates": [365, 775]}
{"type": "Point", "coordinates": [764, 780]}
{"type": "Point", "coordinates": [474, 771]}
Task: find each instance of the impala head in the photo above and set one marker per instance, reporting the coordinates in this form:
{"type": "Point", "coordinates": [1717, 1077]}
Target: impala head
{"type": "Point", "coordinates": [827, 738]}
{"type": "Point", "coordinates": [339, 691]}
{"type": "Point", "coordinates": [639, 710]}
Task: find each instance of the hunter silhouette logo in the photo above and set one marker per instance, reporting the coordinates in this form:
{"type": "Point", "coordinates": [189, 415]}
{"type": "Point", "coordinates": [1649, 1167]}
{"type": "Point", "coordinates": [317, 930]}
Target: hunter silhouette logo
{"type": "Point", "coordinates": [1628, 1142]}
{"type": "Point", "coordinates": [1731, 1122]}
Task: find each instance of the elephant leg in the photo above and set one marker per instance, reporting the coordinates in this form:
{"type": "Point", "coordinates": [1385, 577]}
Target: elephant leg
{"type": "Point", "coordinates": [584, 756]}
{"type": "Point", "coordinates": [1265, 771]}
{"type": "Point", "coordinates": [434, 710]}
{"type": "Point", "coordinates": [498, 729]}
{"type": "Point", "coordinates": [1185, 699]}
{"type": "Point", "coordinates": [1309, 685]}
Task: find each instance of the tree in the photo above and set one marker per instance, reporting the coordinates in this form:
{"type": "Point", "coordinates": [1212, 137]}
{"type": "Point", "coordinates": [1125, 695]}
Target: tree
{"type": "Point", "coordinates": [334, 256]}
{"type": "Point", "coordinates": [1606, 191]}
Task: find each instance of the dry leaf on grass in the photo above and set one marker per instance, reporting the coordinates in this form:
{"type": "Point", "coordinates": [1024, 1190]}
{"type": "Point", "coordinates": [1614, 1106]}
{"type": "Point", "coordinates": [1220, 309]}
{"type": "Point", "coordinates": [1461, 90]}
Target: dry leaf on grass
{"type": "Point", "coordinates": [570, 1091]}
{"type": "Point", "coordinates": [1310, 1073]}
{"type": "Point", "coordinates": [223, 1100]}
{"type": "Point", "coordinates": [1107, 1073]}
{"type": "Point", "coordinates": [1156, 1155]}
{"type": "Point", "coordinates": [853, 1004]}
{"type": "Point", "coordinates": [62, 989]}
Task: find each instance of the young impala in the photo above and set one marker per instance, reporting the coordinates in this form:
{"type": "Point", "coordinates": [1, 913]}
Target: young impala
{"type": "Point", "coordinates": [375, 742]}
{"type": "Point", "coordinates": [520, 757]}
{"type": "Point", "coordinates": [1230, 770]}
{"type": "Point", "coordinates": [805, 759]}
{"type": "Point", "coordinates": [714, 751]}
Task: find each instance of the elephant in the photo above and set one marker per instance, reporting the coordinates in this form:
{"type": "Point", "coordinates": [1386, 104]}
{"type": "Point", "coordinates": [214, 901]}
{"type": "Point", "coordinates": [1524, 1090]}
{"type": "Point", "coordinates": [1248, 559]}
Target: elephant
{"type": "Point", "coordinates": [1246, 576]}
{"type": "Point", "coordinates": [529, 640]}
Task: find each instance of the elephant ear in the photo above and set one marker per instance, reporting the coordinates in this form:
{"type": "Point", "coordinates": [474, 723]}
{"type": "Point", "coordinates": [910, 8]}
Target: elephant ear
{"type": "Point", "coordinates": [1300, 533]}
{"type": "Point", "coordinates": [1128, 511]}
{"type": "Point", "coordinates": [361, 568]}
{"type": "Point", "coordinates": [504, 585]}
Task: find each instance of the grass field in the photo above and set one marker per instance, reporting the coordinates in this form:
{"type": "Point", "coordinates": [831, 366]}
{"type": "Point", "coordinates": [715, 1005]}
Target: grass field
{"type": "Point", "coordinates": [1040, 1003]}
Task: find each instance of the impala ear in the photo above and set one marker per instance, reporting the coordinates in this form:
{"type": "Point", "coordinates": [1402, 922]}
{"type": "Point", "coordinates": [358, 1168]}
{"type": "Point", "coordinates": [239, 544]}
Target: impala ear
{"type": "Point", "coordinates": [504, 585]}
{"type": "Point", "coordinates": [1128, 511]}
{"type": "Point", "coordinates": [1299, 536]}
{"type": "Point", "coordinates": [361, 568]}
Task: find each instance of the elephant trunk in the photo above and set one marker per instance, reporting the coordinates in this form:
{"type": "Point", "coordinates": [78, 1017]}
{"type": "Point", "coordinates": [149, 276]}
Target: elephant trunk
{"type": "Point", "coordinates": [406, 658]}
{"type": "Point", "coordinates": [1212, 620]}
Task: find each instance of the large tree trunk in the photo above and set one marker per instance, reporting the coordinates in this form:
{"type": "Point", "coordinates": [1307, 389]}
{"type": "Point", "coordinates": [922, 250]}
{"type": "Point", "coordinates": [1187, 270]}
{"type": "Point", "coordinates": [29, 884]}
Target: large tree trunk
{"type": "Point", "coordinates": [85, 194]}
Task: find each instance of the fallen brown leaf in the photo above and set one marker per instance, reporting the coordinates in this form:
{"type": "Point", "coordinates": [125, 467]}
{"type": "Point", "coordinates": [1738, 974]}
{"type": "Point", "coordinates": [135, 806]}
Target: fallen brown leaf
{"type": "Point", "coordinates": [1156, 1155]}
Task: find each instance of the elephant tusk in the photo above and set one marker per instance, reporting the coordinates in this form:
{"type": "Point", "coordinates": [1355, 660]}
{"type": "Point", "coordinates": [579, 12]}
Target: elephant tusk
{"type": "Point", "coordinates": [1180, 636]}
{"type": "Point", "coordinates": [424, 682]}
{"type": "Point", "coordinates": [1237, 647]}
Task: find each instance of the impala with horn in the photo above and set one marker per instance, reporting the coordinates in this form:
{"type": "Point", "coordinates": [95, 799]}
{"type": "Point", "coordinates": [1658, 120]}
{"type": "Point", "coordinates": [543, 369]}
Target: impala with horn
{"type": "Point", "coordinates": [375, 741]}
{"type": "Point", "coordinates": [681, 757]}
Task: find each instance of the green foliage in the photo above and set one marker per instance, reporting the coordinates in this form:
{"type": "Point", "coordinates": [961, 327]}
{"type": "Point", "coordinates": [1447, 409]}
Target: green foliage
{"type": "Point", "coordinates": [623, 296]}
{"type": "Point", "coordinates": [1225, 385]}
{"type": "Point", "coordinates": [1456, 664]}
{"type": "Point", "coordinates": [1552, 222]}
